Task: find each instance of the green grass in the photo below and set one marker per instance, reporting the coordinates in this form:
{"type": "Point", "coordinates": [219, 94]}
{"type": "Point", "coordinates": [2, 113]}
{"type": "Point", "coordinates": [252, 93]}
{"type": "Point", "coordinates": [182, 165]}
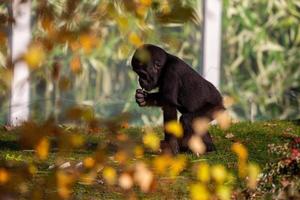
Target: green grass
{"type": "Point", "coordinates": [255, 136]}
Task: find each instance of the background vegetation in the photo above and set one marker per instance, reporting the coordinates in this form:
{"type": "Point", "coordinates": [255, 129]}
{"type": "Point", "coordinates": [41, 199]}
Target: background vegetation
{"type": "Point", "coordinates": [261, 43]}
{"type": "Point", "coordinates": [89, 45]}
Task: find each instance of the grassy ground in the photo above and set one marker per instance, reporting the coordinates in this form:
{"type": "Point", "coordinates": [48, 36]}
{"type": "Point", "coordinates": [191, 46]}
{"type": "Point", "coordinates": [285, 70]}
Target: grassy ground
{"type": "Point", "coordinates": [255, 136]}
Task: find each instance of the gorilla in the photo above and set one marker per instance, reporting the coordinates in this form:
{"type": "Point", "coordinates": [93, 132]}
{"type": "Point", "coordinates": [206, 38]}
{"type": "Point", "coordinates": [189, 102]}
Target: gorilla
{"type": "Point", "coordinates": [180, 88]}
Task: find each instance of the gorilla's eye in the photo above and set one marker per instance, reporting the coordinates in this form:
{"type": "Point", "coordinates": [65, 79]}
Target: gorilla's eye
{"type": "Point", "coordinates": [142, 75]}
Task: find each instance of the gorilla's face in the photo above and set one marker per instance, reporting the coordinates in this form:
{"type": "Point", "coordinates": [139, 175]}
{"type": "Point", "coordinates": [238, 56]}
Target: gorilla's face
{"type": "Point", "coordinates": [148, 62]}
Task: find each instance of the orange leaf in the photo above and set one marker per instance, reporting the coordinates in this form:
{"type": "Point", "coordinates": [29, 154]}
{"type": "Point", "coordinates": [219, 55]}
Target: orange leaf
{"type": "Point", "coordinates": [35, 55]}
{"type": "Point", "coordinates": [89, 162]}
{"type": "Point", "coordinates": [174, 128]}
{"type": "Point", "coordinates": [42, 148]}
{"type": "Point", "coordinates": [75, 64]}
{"type": "Point", "coordinates": [4, 176]}
{"type": "Point", "coordinates": [135, 39]}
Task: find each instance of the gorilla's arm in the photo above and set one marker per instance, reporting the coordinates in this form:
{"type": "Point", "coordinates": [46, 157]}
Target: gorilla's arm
{"type": "Point", "coordinates": [167, 95]}
{"type": "Point", "coordinates": [144, 98]}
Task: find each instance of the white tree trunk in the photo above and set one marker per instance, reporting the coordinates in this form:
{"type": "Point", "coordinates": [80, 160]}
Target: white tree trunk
{"type": "Point", "coordinates": [20, 39]}
{"type": "Point", "coordinates": [212, 17]}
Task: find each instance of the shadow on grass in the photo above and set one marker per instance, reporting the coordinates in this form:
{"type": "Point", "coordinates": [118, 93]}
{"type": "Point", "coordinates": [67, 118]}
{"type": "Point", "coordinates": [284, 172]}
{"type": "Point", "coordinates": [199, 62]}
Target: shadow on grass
{"type": "Point", "coordinates": [10, 145]}
{"type": "Point", "coordinates": [296, 122]}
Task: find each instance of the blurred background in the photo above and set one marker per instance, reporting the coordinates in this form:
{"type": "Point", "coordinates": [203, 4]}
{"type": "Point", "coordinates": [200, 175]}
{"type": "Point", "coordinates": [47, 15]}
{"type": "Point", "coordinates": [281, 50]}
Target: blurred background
{"type": "Point", "coordinates": [80, 51]}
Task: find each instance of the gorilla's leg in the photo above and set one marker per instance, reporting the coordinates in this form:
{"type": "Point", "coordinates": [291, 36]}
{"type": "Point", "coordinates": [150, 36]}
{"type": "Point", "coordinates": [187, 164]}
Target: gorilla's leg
{"type": "Point", "coordinates": [187, 121]}
{"type": "Point", "coordinates": [170, 143]}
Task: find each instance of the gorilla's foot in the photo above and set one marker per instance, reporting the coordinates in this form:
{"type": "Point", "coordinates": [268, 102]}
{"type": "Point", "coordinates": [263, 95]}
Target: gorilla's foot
{"type": "Point", "coordinates": [210, 147]}
{"type": "Point", "coordinates": [169, 146]}
{"type": "Point", "coordinates": [207, 140]}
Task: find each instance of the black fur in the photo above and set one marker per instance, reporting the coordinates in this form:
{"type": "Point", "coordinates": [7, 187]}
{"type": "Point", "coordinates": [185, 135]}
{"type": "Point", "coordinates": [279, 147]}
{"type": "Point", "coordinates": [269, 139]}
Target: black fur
{"type": "Point", "coordinates": [180, 88]}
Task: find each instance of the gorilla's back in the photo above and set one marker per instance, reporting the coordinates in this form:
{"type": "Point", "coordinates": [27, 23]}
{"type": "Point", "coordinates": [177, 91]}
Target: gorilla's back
{"type": "Point", "coordinates": [195, 92]}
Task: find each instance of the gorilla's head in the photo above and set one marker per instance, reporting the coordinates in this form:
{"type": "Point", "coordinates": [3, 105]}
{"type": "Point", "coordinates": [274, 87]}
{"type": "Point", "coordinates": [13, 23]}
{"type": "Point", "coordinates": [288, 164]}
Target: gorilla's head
{"type": "Point", "coordinates": [148, 61]}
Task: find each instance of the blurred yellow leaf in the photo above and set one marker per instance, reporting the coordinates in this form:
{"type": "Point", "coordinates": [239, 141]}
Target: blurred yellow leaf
{"type": "Point", "coordinates": [75, 45]}
{"type": "Point", "coordinates": [177, 165]}
{"type": "Point", "coordinates": [47, 24]}
{"type": "Point", "coordinates": [165, 7]}
{"type": "Point", "coordinates": [199, 191]}
{"type": "Point", "coordinates": [253, 173]}
{"type": "Point", "coordinates": [64, 182]}
{"type": "Point", "coordinates": [141, 10]}
{"type": "Point", "coordinates": [32, 169]}
{"type": "Point", "coordinates": [143, 176]}
{"type": "Point", "coordinates": [240, 150]}
{"type": "Point", "coordinates": [151, 140]}
{"type": "Point", "coordinates": [161, 163]}
{"type": "Point", "coordinates": [4, 176]}
{"type": "Point", "coordinates": [110, 175]}
{"type": "Point", "coordinates": [76, 140]}
{"type": "Point", "coordinates": [89, 162]}
{"type": "Point", "coordinates": [35, 55]}
{"type": "Point", "coordinates": [174, 128]}
{"type": "Point", "coordinates": [134, 39]}
{"type": "Point", "coordinates": [228, 101]}
{"type": "Point", "coordinates": [196, 145]}
{"type": "Point", "coordinates": [122, 137]}
{"type": "Point", "coordinates": [125, 181]}
{"type": "Point", "coordinates": [42, 148]}
{"type": "Point", "coordinates": [121, 157]}
{"type": "Point", "coordinates": [223, 119]}
{"type": "Point", "coordinates": [203, 172]}
{"type": "Point", "coordinates": [242, 168]}
{"type": "Point", "coordinates": [123, 23]}
{"type": "Point", "coordinates": [88, 178]}
{"type": "Point", "coordinates": [223, 192]}
{"type": "Point", "coordinates": [138, 151]}
{"type": "Point", "coordinates": [200, 126]}
{"type": "Point", "coordinates": [218, 173]}
{"type": "Point", "coordinates": [88, 42]}
{"type": "Point", "coordinates": [75, 64]}
{"type": "Point", "coordinates": [124, 125]}
{"type": "Point", "coordinates": [146, 2]}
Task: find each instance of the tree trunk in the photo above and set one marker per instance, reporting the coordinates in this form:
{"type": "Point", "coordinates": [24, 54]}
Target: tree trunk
{"type": "Point", "coordinates": [20, 39]}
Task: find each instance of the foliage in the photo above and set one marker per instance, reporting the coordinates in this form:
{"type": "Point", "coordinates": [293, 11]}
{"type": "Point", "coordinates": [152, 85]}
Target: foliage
{"type": "Point", "coordinates": [280, 179]}
{"type": "Point", "coordinates": [88, 53]}
{"type": "Point", "coordinates": [261, 45]}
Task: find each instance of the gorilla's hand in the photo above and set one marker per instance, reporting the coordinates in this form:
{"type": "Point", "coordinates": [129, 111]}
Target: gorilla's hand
{"type": "Point", "coordinates": [140, 97]}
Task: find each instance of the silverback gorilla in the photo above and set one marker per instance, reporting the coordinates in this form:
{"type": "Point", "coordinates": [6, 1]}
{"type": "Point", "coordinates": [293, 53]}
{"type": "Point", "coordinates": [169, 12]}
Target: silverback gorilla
{"type": "Point", "coordinates": [180, 88]}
